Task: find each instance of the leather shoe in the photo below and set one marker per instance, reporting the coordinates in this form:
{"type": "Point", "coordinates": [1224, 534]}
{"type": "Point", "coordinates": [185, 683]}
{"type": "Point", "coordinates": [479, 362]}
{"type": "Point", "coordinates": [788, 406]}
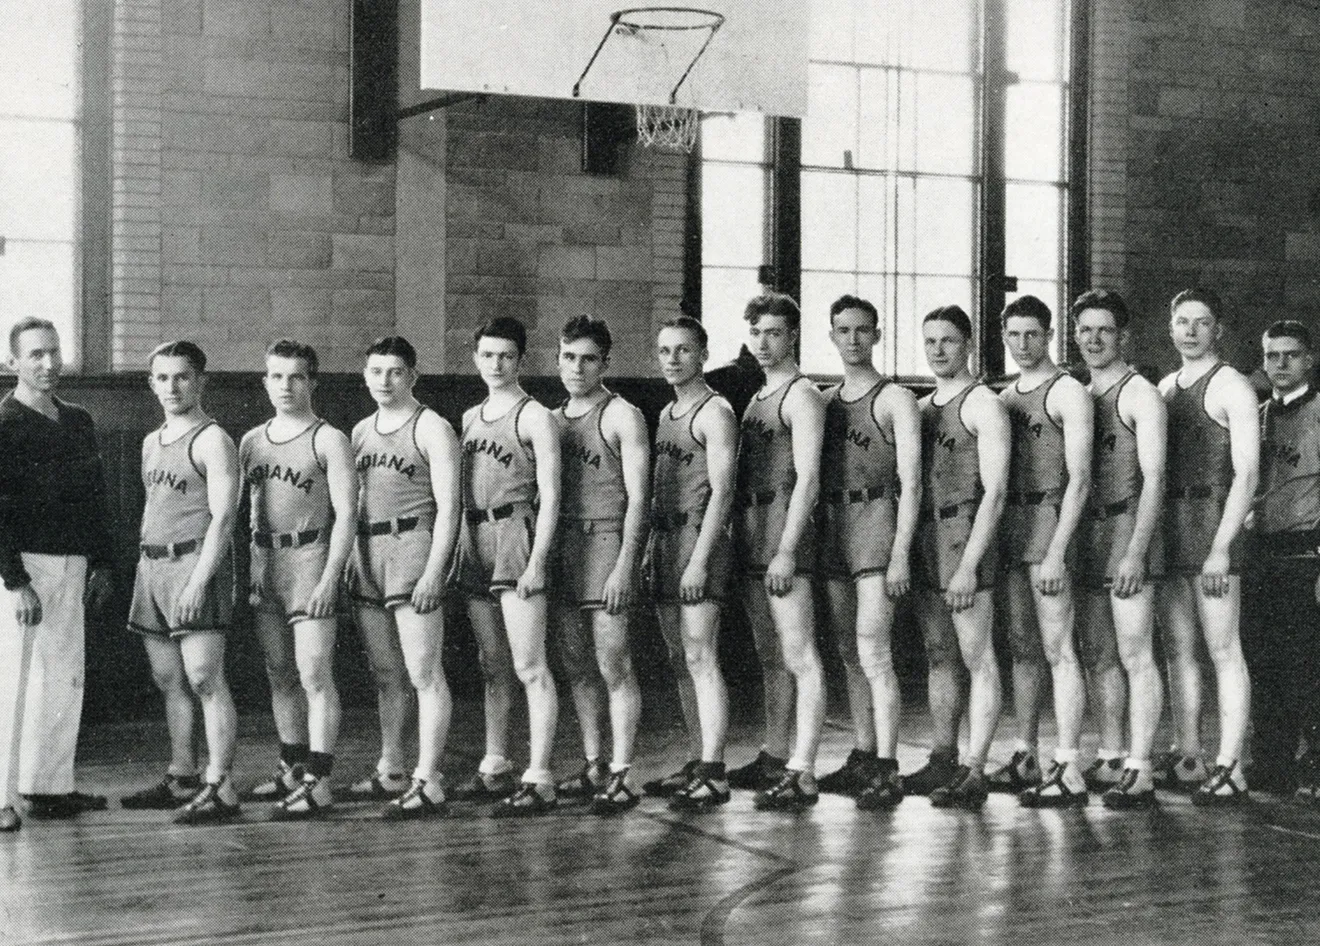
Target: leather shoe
{"type": "Point", "coordinates": [68, 805]}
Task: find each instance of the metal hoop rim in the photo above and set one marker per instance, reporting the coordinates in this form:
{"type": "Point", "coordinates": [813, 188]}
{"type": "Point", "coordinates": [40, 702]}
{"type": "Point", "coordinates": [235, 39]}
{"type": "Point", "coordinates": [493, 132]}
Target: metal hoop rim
{"type": "Point", "coordinates": [713, 20]}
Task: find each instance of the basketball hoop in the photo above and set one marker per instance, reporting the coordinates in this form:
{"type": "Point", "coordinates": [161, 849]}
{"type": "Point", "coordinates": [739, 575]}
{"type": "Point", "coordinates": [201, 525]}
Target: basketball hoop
{"type": "Point", "coordinates": [671, 127]}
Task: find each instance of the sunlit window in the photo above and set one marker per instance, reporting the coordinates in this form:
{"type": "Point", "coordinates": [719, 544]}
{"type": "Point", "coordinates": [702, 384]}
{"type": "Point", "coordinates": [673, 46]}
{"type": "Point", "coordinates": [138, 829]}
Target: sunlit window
{"type": "Point", "coordinates": [39, 133]}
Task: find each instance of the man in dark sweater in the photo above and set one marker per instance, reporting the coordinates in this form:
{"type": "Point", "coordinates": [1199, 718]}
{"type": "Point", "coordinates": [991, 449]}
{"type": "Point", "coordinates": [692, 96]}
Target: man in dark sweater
{"type": "Point", "coordinates": [54, 551]}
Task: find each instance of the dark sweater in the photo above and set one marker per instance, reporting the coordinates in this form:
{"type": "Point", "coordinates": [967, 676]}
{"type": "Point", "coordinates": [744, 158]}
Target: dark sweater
{"type": "Point", "coordinates": [52, 488]}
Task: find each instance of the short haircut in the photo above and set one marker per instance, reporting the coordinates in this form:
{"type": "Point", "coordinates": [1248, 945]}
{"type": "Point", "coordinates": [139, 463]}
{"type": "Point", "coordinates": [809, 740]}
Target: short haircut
{"type": "Point", "coordinates": [1027, 307]}
{"type": "Point", "coordinates": [854, 302]}
{"type": "Point", "coordinates": [954, 315]}
{"type": "Point", "coordinates": [1291, 328]}
{"type": "Point", "coordinates": [584, 326]}
{"type": "Point", "coordinates": [1106, 299]}
{"type": "Point", "coordinates": [181, 349]}
{"type": "Point", "coordinates": [1207, 297]}
{"type": "Point", "coordinates": [774, 303]}
{"type": "Point", "coordinates": [27, 324]}
{"type": "Point", "coordinates": [692, 325]}
{"type": "Point", "coordinates": [395, 345]}
{"type": "Point", "coordinates": [505, 327]}
{"type": "Point", "coordinates": [287, 348]}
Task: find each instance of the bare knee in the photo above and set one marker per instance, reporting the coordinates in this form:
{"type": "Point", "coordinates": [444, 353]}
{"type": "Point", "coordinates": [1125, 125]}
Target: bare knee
{"type": "Point", "coordinates": [283, 676]}
{"type": "Point", "coordinates": [170, 682]}
{"type": "Point", "coordinates": [317, 677]}
{"type": "Point", "coordinates": [616, 668]}
{"type": "Point", "coordinates": [206, 681]}
{"type": "Point", "coordinates": [531, 672]}
{"type": "Point", "coordinates": [877, 664]}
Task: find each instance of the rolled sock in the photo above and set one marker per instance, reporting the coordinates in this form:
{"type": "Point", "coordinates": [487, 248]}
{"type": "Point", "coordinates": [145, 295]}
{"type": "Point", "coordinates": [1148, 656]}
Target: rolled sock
{"type": "Point", "coordinates": [294, 753]}
{"type": "Point", "coordinates": [319, 764]}
{"type": "Point", "coordinates": [494, 765]}
{"type": "Point", "coordinates": [1065, 756]}
{"type": "Point", "coordinates": [541, 778]}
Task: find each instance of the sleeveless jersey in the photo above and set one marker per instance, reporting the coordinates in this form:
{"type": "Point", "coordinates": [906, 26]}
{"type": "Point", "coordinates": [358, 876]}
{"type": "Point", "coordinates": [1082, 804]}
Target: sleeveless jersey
{"type": "Point", "coordinates": [498, 468]}
{"type": "Point", "coordinates": [285, 481]}
{"type": "Point", "coordinates": [1038, 464]}
{"type": "Point", "coordinates": [680, 478]}
{"type": "Point", "coordinates": [177, 508]}
{"type": "Point", "coordinates": [1289, 496]}
{"type": "Point", "coordinates": [858, 454]}
{"type": "Point", "coordinates": [765, 445]}
{"type": "Point", "coordinates": [1115, 471]}
{"type": "Point", "coordinates": [950, 460]}
{"type": "Point", "coordinates": [393, 474]}
{"type": "Point", "coordinates": [1199, 456]}
{"type": "Point", "coordinates": [592, 473]}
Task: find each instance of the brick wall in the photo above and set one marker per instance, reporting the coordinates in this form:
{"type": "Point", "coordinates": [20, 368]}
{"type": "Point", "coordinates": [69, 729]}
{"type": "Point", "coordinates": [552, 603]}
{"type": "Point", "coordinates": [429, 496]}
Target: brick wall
{"type": "Point", "coordinates": [1205, 123]}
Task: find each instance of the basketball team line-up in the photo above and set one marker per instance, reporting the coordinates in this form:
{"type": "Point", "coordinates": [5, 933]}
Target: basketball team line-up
{"type": "Point", "coordinates": [1094, 508]}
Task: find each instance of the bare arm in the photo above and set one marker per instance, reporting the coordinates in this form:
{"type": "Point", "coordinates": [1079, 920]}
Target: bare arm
{"type": "Point", "coordinates": [625, 430]}
{"type": "Point", "coordinates": [1141, 407]}
{"type": "Point", "coordinates": [539, 429]}
{"type": "Point", "coordinates": [1076, 414]}
{"type": "Point", "coordinates": [804, 412]}
{"type": "Point", "coordinates": [341, 478]}
{"type": "Point", "coordinates": [216, 457]}
{"type": "Point", "coordinates": [438, 443]}
{"type": "Point", "coordinates": [1231, 400]}
{"type": "Point", "coordinates": [986, 417]}
{"type": "Point", "coordinates": [906, 422]}
{"type": "Point", "coordinates": [717, 428]}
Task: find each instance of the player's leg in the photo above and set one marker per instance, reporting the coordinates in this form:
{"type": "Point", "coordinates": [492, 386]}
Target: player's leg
{"type": "Point", "coordinates": [1219, 619]}
{"type": "Point", "coordinates": [985, 700]}
{"type": "Point", "coordinates": [1056, 618]}
{"type": "Point", "coordinates": [389, 672]}
{"type": "Point", "coordinates": [669, 616]}
{"type": "Point", "coordinates": [525, 625]}
{"type": "Point", "coordinates": [874, 622]}
{"type": "Point", "coordinates": [794, 618]}
{"type": "Point", "coordinates": [1134, 627]}
{"type": "Point", "coordinates": [614, 662]}
{"type": "Point", "coordinates": [944, 692]}
{"type": "Point", "coordinates": [182, 780]}
{"type": "Point", "coordinates": [288, 704]}
{"type": "Point", "coordinates": [314, 653]}
{"type": "Point", "coordinates": [202, 654]}
{"type": "Point", "coordinates": [494, 777]}
{"type": "Point", "coordinates": [575, 648]}
{"type": "Point", "coordinates": [1024, 637]}
{"type": "Point", "coordinates": [776, 690]}
{"type": "Point", "coordinates": [421, 639]}
{"type": "Point", "coordinates": [1103, 668]}
{"type": "Point", "coordinates": [855, 774]}
{"type": "Point", "coordinates": [708, 784]}
{"type": "Point", "coordinates": [1179, 632]}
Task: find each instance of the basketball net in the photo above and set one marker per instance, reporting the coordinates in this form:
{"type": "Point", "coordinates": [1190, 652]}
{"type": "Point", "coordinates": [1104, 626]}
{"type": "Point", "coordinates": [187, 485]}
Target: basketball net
{"type": "Point", "coordinates": [667, 43]}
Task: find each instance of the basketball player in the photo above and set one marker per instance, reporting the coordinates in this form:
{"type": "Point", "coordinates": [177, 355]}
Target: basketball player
{"type": "Point", "coordinates": [696, 451]}
{"type": "Point", "coordinates": [1120, 551]}
{"type": "Point", "coordinates": [407, 528]}
{"type": "Point", "coordinates": [605, 452]}
{"type": "Point", "coordinates": [1051, 417]}
{"type": "Point", "coordinates": [183, 598]}
{"type": "Point", "coordinates": [1213, 466]}
{"type": "Point", "coordinates": [870, 496]}
{"type": "Point", "coordinates": [303, 492]}
{"type": "Point", "coordinates": [965, 440]}
{"type": "Point", "coordinates": [1283, 582]}
{"type": "Point", "coordinates": [510, 509]}
{"type": "Point", "coordinates": [778, 483]}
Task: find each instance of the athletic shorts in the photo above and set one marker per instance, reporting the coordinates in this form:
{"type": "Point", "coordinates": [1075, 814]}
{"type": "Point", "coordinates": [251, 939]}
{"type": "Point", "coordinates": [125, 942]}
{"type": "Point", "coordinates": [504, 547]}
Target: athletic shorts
{"type": "Point", "coordinates": [939, 549]}
{"type": "Point", "coordinates": [283, 580]}
{"type": "Point", "coordinates": [1026, 530]}
{"type": "Point", "coordinates": [587, 553]}
{"type": "Point", "coordinates": [1189, 532]}
{"type": "Point", "coordinates": [855, 539]}
{"type": "Point", "coordinates": [156, 592]}
{"type": "Point", "coordinates": [492, 555]}
{"type": "Point", "coordinates": [1097, 641]}
{"type": "Point", "coordinates": [757, 530]}
{"type": "Point", "coordinates": [386, 568]}
{"type": "Point", "coordinates": [670, 551]}
{"type": "Point", "coordinates": [1102, 541]}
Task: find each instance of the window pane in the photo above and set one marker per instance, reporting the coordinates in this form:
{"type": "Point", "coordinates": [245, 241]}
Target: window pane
{"type": "Point", "coordinates": [38, 58]}
{"type": "Point", "coordinates": [1033, 132]}
{"type": "Point", "coordinates": [944, 124]}
{"type": "Point", "coordinates": [37, 186]}
{"type": "Point", "coordinates": [733, 137]}
{"type": "Point", "coordinates": [875, 244]}
{"type": "Point", "coordinates": [1034, 38]}
{"type": "Point", "coordinates": [724, 295]}
{"type": "Point", "coordinates": [733, 215]}
{"type": "Point", "coordinates": [937, 232]}
{"type": "Point", "coordinates": [1032, 230]}
{"type": "Point", "coordinates": [940, 34]}
{"type": "Point", "coordinates": [830, 129]}
{"type": "Point", "coordinates": [37, 279]}
{"type": "Point", "coordinates": [878, 131]}
{"type": "Point", "coordinates": [829, 221]}
{"type": "Point", "coordinates": [832, 31]}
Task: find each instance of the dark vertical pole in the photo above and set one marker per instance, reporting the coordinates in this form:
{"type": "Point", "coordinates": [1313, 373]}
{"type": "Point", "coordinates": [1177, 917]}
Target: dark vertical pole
{"type": "Point", "coordinates": [94, 223]}
{"type": "Point", "coordinates": [1078, 262]}
{"type": "Point", "coordinates": [786, 206]}
{"type": "Point", "coordinates": [691, 303]}
{"type": "Point", "coordinates": [374, 89]}
{"type": "Point", "coordinates": [993, 246]}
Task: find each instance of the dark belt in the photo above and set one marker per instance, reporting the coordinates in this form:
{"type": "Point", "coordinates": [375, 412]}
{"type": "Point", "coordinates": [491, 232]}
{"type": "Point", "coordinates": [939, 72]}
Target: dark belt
{"type": "Point", "coordinates": [285, 540]}
{"type": "Point", "coordinates": [494, 514]}
{"type": "Point", "coordinates": [762, 497]}
{"type": "Point", "coordinates": [1289, 543]}
{"type": "Point", "coordinates": [173, 550]}
{"type": "Point", "coordinates": [944, 512]}
{"type": "Point", "coordinates": [669, 523]}
{"type": "Point", "coordinates": [1110, 511]}
{"type": "Point", "coordinates": [1190, 492]}
{"type": "Point", "coordinates": [846, 497]}
{"type": "Point", "coordinates": [389, 526]}
{"type": "Point", "coordinates": [1027, 499]}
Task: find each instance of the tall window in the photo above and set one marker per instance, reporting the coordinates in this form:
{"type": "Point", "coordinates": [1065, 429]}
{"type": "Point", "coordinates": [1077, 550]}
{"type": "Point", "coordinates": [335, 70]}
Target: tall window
{"type": "Point", "coordinates": [39, 140]}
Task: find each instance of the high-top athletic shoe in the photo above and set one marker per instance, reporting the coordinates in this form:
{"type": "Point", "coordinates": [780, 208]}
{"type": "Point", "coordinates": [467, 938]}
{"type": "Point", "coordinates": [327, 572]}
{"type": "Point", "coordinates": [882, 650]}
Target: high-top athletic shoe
{"type": "Point", "coordinates": [415, 803]}
{"type": "Point", "coordinates": [311, 799]}
{"type": "Point", "coordinates": [379, 786]}
{"type": "Point", "coordinates": [166, 795]}
{"type": "Point", "coordinates": [850, 778]}
{"type": "Point", "coordinates": [761, 773]}
{"type": "Point", "coordinates": [1053, 792]}
{"type": "Point", "coordinates": [708, 788]}
{"type": "Point", "coordinates": [967, 789]}
{"type": "Point", "coordinates": [667, 785]}
{"type": "Point", "coordinates": [284, 780]}
{"type": "Point", "coordinates": [208, 807]}
{"type": "Point", "coordinates": [788, 794]}
{"type": "Point", "coordinates": [1103, 774]}
{"type": "Point", "coordinates": [586, 784]}
{"type": "Point", "coordinates": [1020, 773]}
{"type": "Point", "coordinates": [936, 773]}
{"type": "Point", "coordinates": [885, 790]}
{"type": "Point", "coordinates": [1126, 797]}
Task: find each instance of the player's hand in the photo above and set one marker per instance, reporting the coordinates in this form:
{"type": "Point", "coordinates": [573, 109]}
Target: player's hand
{"type": "Point", "coordinates": [618, 590]}
{"type": "Point", "coordinates": [898, 577]}
{"type": "Point", "coordinates": [961, 593]}
{"type": "Point", "coordinates": [532, 581]}
{"type": "Point", "coordinates": [321, 604]}
{"type": "Point", "coordinates": [1214, 574]}
{"type": "Point", "coordinates": [188, 609]}
{"type": "Point", "coordinates": [1129, 577]}
{"type": "Point", "coordinates": [779, 574]}
{"type": "Point", "coordinates": [1053, 575]}
{"type": "Point", "coordinates": [96, 595]}
{"type": "Point", "coordinates": [28, 606]}
{"type": "Point", "coordinates": [692, 583]}
{"type": "Point", "coordinates": [428, 594]}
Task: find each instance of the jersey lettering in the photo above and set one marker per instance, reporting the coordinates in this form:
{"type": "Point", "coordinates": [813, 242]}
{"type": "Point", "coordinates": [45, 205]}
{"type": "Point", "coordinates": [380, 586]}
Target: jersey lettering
{"type": "Point", "coordinates": [388, 462]}
{"type": "Point", "coordinates": [493, 448]}
{"type": "Point", "coordinates": [167, 479]}
{"type": "Point", "coordinates": [273, 471]}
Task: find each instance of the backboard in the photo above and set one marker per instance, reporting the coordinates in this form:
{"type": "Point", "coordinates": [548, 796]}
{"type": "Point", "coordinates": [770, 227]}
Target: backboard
{"type": "Point", "coordinates": [755, 62]}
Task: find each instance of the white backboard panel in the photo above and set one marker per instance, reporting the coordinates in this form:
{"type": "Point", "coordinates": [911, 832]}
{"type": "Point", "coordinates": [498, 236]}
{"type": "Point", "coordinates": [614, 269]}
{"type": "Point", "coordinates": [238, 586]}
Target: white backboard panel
{"type": "Point", "coordinates": [755, 62]}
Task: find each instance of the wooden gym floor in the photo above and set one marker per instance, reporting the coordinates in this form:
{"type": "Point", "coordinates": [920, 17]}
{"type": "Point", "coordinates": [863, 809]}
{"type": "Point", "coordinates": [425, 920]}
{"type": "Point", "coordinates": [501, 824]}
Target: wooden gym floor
{"type": "Point", "coordinates": [834, 875]}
